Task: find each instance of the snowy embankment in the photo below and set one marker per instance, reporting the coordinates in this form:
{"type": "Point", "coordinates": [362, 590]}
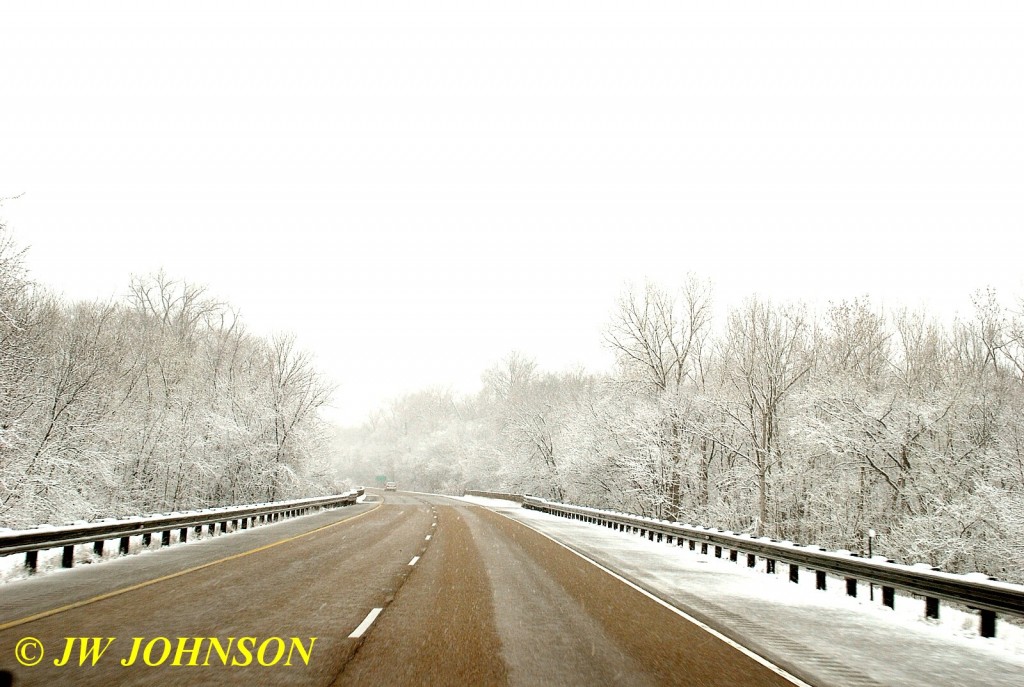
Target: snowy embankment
{"type": "Point", "coordinates": [824, 636]}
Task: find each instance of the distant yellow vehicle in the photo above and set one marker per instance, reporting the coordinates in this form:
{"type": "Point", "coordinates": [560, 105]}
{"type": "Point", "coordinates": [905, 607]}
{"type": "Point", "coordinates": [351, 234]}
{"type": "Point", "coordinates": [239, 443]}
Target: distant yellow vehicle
{"type": "Point", "coordinates": [390, 486]}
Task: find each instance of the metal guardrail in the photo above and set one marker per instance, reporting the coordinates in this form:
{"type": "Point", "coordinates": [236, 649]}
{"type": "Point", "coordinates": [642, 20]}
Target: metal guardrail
{"type": "Point", "coordinates": [985, 594]}
{"type": "Point", "coordinates": [32, 541]}
{"type": "Point", "coordinates": [493, 495]}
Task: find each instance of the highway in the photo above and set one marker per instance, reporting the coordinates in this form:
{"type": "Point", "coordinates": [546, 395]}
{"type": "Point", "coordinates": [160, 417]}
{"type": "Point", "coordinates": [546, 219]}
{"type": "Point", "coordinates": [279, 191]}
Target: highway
{"type": "Point", "coordinates": [404, 589]}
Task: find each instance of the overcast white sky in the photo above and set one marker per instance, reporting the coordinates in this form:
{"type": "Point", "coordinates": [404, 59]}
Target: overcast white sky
{"type": "Point", "coordinates": [417, 188]}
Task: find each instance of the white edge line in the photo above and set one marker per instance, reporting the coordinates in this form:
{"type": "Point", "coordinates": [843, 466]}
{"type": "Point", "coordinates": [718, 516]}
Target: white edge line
{"type": "Point", "coordinates": [365, 625]}
{"type": "Point", "coordinates": [414, 559]}
{"type": "Point", "coordinates": [428, 538]}
{"type": "Point", "coordinates": [710, 630]}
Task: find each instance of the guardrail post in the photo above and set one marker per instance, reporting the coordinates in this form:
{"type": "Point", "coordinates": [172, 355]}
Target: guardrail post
{"type": "Point", "coordinates": [751, 560]}
{"type": "Point", "coordinates": [718, 552]}
{"type": "Point", "coordinates": [31, 560]}
{"type": "Point", "coordinates": [734, 555]}
{"type": "Point", "coordinates": [931, 607]}
{"type": "Point", "coordinates": [147, 539]}
{"type": "Point", "coordinates": [794, 573]}
{"type": "Point", "coordinates": [659, 537]}
{"type": "Point", "coordinates": [183, 535]}
{"type": "Point", "coordinates": [988, 623]}
{"type": "Point", "coordinates": [67, 560]}
{"type": "Point", "coordinates": [165, 538]}
{"type": "Point", "coordinates": [212, 529]}
{"type": "Point", "coordinates": [851, 586]}
{"type": "Point", "coordinates": [245, 523]}
{"type": "Point", "coordinates": [888, 597]}
{"type": "Point", "coordinates": [123, 548]}
{"type": "Point", "coordinates": [769, 565]}
{"type": "Point", "coordinates": [693, 545]}
{"type": "Point", "coordinates": [820, 582]}
{"type": "Point", "coordinates": [97, 547]}
{"type": "Point", "coordinates": [704, 548]}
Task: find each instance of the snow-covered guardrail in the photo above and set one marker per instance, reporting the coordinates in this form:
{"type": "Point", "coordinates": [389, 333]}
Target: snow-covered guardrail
{"type": "Point", "coordinates": [32, 541]}
{"type": "Point", "coordinates": [985, 594]}
{"type": "Point", "coordinates": [493, 495]}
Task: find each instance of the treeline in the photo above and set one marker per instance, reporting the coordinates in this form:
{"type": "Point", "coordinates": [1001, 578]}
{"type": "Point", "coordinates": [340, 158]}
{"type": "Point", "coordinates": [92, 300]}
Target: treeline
{"type": "Point", "coordinates": [160, 401]}
{"type": "Point", "coordinates": [777, 421]}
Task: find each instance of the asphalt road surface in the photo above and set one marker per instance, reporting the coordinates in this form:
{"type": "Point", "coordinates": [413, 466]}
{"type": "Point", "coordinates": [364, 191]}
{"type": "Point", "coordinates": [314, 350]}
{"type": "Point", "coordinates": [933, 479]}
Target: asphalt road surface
{"type": "Point", "coordinates": [412, 590]}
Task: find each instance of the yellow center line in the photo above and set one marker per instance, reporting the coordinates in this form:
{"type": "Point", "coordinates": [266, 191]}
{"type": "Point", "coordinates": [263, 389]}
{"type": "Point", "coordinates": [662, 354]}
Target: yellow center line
{"type": "Point", "coordinates": [140, 585]}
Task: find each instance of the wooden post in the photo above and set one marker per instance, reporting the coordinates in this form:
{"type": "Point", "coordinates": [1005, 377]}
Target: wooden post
{"type": "Point", "coordinates": [794, 573]}
{"type": "Point", "coordinates": [888, 597]}
{"type": "Point", "coordinates": [67, 560]}
{"type": "Point", "coordinates": [851, 586]}
{"type": "Point", "coordinates": [770, 565]}
{"type": "Point", "coordinates": [183, 535]}
{"type": "Point", "coordinates": [704, 548]}
{"type": "Point", "coordinates": [147, 538]}
{"type": "Point", "coordinates": [123, 548]}
{"type": "Point", "coordinates": [733, 555]}
{"type": "Point", "coordinates": [718, 552]}
{"type": "Point", "coordinates": [821, 581]}
{"type": "Point", "coordinates": [31, 561]}
{"type": "Point", "coordinates": [97, 548]}
{"type": "Point", "coordinates": [988, 623]}
{"type": "Point", "coordinates": [751, 560]}
{"type": "Point", "coordinates": [931, 607]}
{"type": "Point", "coordinates": [165, 538]}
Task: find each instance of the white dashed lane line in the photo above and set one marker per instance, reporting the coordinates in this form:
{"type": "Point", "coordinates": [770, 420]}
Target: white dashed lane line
{"type": "Point", "coordinates": [414, 559]}
{"type": "Point", "coordinates": [428, 538]}
{"type": "Point", "coordinates": [365, 625]}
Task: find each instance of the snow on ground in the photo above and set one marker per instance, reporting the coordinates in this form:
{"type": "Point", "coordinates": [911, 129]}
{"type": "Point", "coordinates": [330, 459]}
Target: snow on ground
{"type": "Point", "coordinates": [826, 637]}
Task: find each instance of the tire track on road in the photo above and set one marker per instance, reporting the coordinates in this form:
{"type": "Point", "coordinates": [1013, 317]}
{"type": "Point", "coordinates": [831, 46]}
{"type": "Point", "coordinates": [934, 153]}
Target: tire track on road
{"type": "Point", "coordinates": [440, 627]}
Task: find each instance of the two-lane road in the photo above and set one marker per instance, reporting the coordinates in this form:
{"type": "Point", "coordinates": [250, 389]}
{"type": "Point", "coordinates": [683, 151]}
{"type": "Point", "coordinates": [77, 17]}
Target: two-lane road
{"type": "Point", "coordinates": [414, 590]}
